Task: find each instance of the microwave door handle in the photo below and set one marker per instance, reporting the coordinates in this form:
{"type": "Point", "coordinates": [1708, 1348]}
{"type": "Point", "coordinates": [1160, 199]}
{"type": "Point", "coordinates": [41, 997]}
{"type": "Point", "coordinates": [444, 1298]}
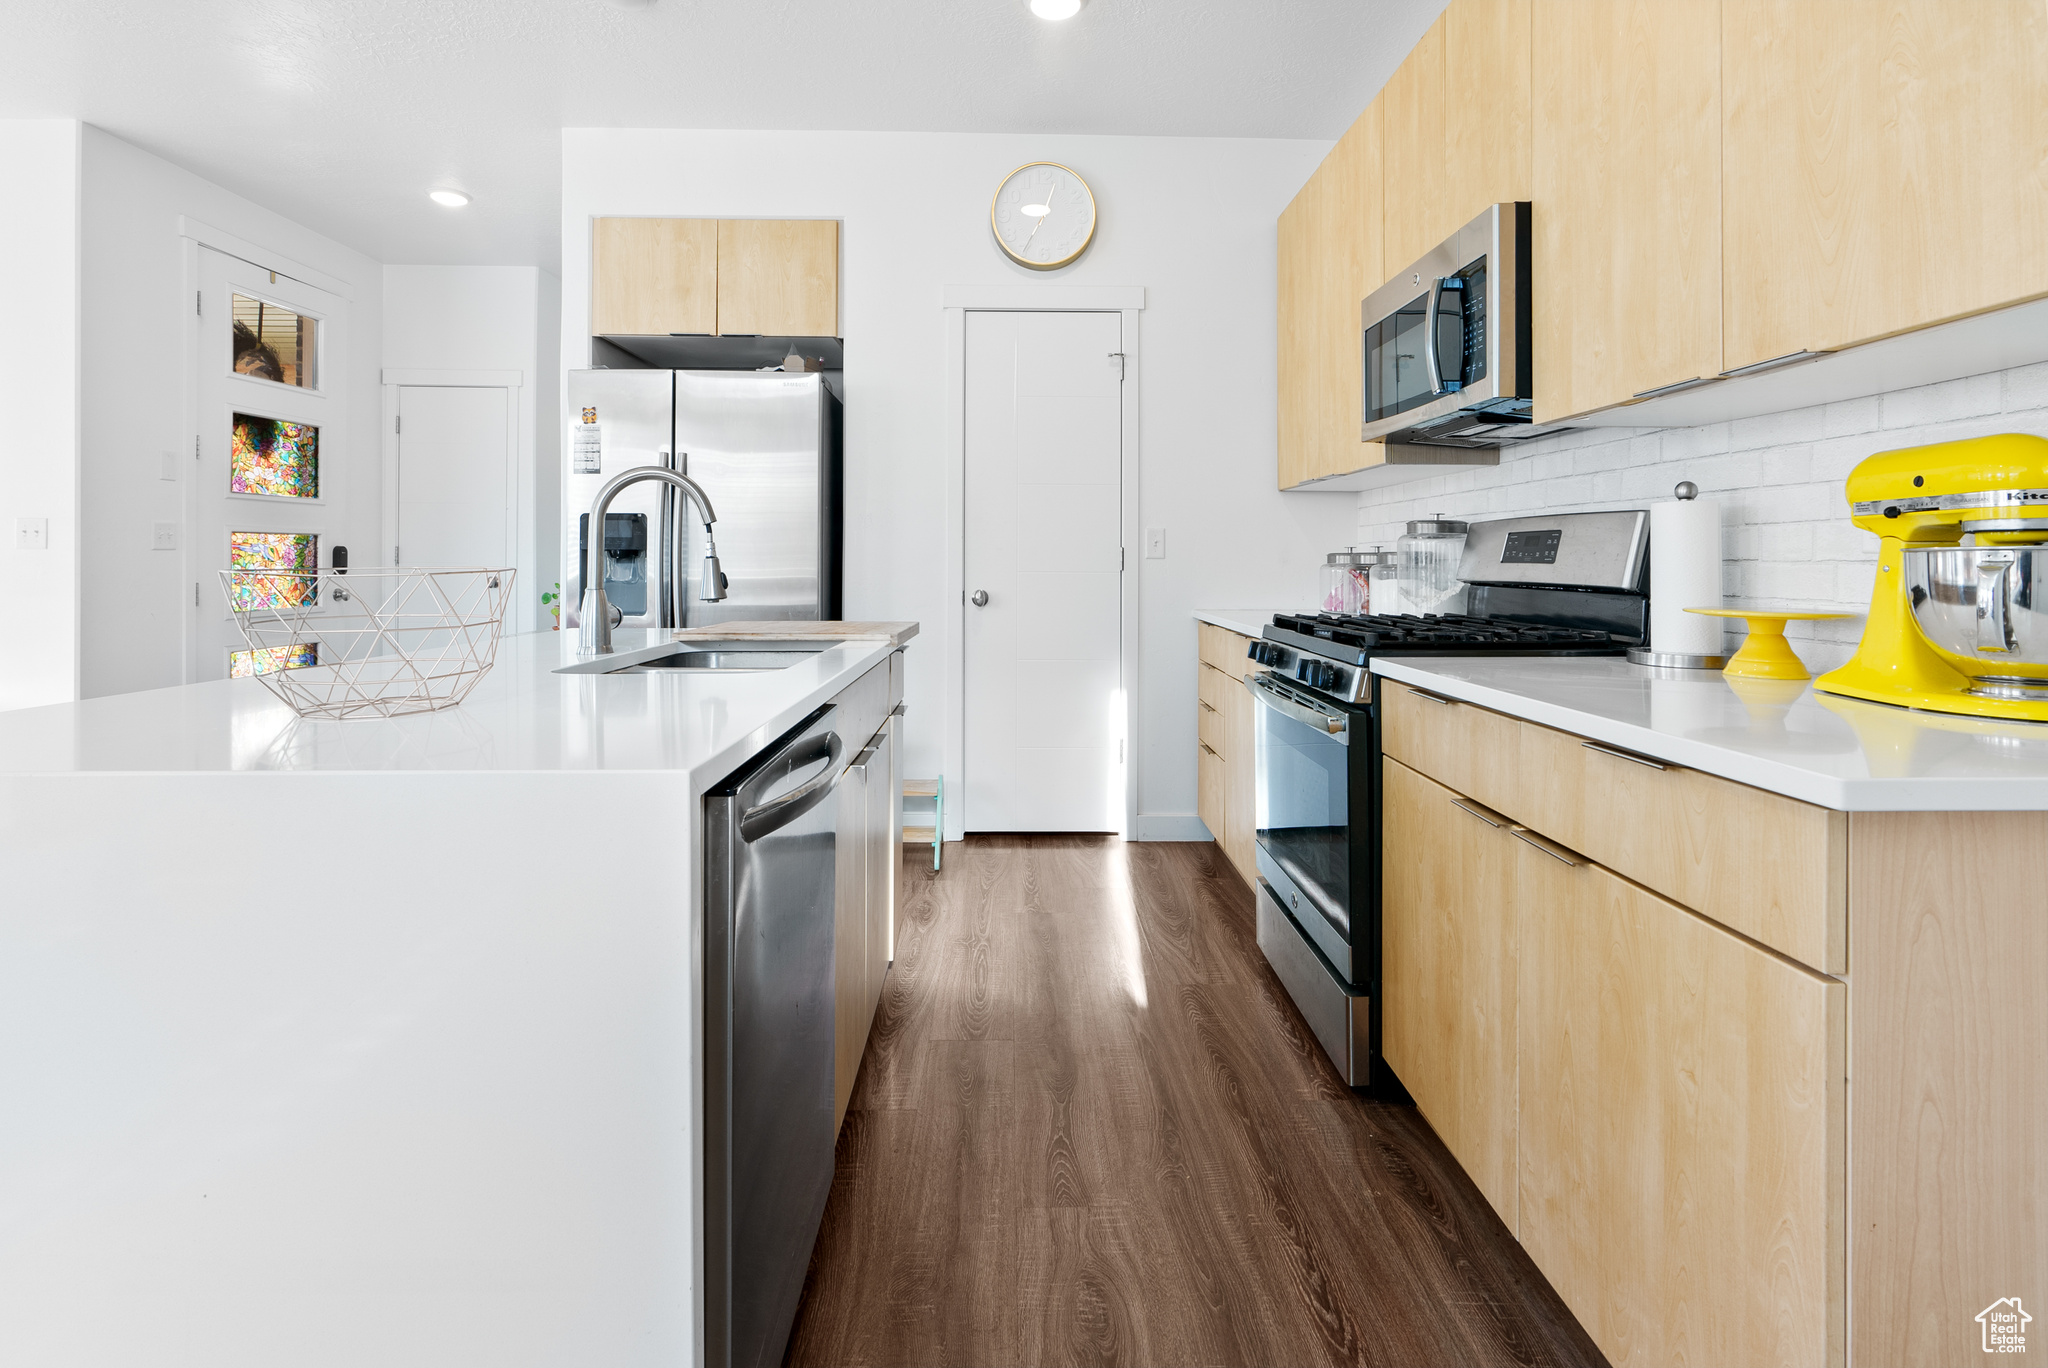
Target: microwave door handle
{"type": "Point", "coordinates": [1429, 358]}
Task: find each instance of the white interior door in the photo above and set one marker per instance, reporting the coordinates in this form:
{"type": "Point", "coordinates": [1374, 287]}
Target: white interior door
{"type": "Point", "coordinates": [455, 476]}
{"type": "Point", "coordinates": [1043, 705]}
{"type": "Point", "coordinates": [272, 455]}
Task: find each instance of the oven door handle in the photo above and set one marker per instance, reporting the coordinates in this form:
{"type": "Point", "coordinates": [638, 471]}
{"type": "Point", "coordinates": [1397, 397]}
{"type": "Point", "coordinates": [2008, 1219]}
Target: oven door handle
{"type": "Point", "coordinates": [1288, 704]}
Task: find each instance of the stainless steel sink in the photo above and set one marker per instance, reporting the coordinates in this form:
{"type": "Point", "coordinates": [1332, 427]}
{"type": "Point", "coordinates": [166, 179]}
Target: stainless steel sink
{"type": "Point", "coordinates": [729, 657]}
{"type": "Point", "coordinates": [752, 655]}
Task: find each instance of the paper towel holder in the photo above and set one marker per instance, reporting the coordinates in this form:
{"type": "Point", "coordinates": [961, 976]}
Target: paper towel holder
{"type": "Point", "coordinates": [1683, 491]}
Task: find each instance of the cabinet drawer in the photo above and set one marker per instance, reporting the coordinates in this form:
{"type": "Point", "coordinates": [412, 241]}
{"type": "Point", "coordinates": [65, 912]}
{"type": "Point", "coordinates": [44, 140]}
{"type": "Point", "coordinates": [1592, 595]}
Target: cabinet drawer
{"type": "Point", "coordinates": [1209, 727]}
{"type": "Point", "coordinates": [1462, 747]}
{"type": "Point", "coordinates": [1768, 866]}
{"type": "Point", "coordinates": [1218, 688]}
{"type": "Point", "coordinates": [1224, 650]}
{"type": "Point", "coordinates": [1210, 794]}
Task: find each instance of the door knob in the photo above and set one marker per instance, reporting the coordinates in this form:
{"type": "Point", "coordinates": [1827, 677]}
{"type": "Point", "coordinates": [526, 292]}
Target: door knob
{"type": "Point", "coordinates": [979, 598]}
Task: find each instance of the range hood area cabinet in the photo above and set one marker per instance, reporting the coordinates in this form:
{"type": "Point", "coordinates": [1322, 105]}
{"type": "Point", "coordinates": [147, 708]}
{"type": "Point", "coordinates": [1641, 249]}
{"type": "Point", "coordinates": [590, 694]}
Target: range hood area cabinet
{"type": "Point", "coordinates": [1448, 136]}
{"type": "Point", "coordinates": [657, 277]}
{"type": "Point", "coordinates": [1722, 190]}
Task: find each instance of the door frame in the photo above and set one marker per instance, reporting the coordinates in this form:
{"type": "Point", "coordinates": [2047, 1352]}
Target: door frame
{"type": "Point", "coordinates": [957, 302]}
{"type": "Point", "coordinates": [519, 534]}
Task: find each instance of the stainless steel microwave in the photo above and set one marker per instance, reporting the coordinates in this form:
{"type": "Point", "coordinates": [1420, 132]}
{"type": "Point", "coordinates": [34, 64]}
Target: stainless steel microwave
{"type": "Point", "coordinates": [1447, 341]}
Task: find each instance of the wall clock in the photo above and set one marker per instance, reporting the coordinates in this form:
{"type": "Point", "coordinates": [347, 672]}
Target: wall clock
{"type": "Point", "coordinates": [1043, 216]}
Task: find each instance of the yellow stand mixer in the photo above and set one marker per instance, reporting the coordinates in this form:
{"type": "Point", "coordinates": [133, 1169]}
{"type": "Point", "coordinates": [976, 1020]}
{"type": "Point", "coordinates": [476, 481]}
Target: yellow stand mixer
{"type": "Point", "coordinates": [1954, 628]}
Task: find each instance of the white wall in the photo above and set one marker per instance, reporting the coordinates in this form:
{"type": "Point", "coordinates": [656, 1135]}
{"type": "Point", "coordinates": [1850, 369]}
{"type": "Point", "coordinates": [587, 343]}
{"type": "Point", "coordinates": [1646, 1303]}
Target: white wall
{"type": "Point", "coordinates": [135, 321]}
{"type": "Point", "coordinates": [1191, 220]}
{"type": "Point", "coordinates": [39, 361]}
{"type": "Point", "coordinates": [1787, 539]}
{"type": "Point", "coordinates": [494, 318]}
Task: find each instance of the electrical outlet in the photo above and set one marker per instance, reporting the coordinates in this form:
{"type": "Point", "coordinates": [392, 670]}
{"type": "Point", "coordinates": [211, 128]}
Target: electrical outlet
{"type": "Point", "coordinates": [31, 534]}
{"type": "Point", "coordinates": [1155, 543]}
{"type": "Point", "coordinates": [170, 466]}
{"type": "Point", "coordinates": [166, 538]}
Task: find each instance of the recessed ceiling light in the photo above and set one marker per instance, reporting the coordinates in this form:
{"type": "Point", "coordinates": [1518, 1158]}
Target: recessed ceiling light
{"type": "Point", "coordinates": [1055, 9]}
{"type": "Point", "coordinates": [448, 199]}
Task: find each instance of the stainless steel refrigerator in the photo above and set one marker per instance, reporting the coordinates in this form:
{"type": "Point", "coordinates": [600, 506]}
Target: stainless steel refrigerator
{"type": "Point", "coordinates": [764, 446]}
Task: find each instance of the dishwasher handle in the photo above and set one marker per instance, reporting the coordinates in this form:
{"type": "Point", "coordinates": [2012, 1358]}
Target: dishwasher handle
{"type": "Point", "coordinates": [761, 819]}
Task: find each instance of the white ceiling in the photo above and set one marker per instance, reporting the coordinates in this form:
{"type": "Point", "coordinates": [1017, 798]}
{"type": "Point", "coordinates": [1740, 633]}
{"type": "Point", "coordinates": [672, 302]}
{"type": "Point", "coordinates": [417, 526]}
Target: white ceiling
{"type": "Point", "coordinates": [341, 114]}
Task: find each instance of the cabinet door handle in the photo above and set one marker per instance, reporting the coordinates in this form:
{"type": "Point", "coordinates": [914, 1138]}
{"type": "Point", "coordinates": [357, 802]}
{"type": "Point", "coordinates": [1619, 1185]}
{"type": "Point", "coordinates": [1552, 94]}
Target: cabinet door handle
{"type": "Point", "coordinates": [1434, 698]}
{"type": "Point", "coordinates": [1205, 746]}
{"type": "Point", "coordinates": [1486, 815]}
{"type": "Point", "coordinates": [1550, 848]}
{"type": "Point", "coordinates": [1205, 705]}
{"type": "Point", "coordinates": [1676, 387]}
{"type": "Point", "coordinates": [1645, 761]}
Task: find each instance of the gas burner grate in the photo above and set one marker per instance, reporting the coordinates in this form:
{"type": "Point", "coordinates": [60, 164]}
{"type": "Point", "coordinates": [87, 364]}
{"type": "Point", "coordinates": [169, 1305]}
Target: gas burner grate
{"type": "Point", "coordinates": [1453, 631]}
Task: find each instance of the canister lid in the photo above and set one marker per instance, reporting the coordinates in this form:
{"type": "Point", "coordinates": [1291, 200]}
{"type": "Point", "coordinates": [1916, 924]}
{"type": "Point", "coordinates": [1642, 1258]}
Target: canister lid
{"type": "Point", "coordinates": [1352, 557]}
{"type": "Point", "coordinates": [1436, 527]}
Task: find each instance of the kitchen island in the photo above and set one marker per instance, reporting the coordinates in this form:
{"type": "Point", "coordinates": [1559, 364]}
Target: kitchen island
{"type": "Point", "coordinates": [369, 1041]}
{"type": "Point", "coordinates": [1727, 993]}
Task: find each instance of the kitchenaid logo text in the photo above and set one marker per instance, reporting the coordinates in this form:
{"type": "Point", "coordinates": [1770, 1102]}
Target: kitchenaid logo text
{"type": "Point", "coordinates": [2005, 1326]}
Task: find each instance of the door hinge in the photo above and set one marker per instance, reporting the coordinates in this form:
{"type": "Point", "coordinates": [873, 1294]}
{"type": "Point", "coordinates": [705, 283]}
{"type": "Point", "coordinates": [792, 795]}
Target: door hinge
{"type": "Point", "coordinates": [1118, 357]}
{"type": "Point", "coordinates": [397, 423]}
{"type": "Point", "coordinates": [199, 302]}
{"type": "Point", "coordinates": [195, 446]}
{"type": "Point", "coordinates": [1122, 559]}
{"type": "Point", "coordinates": [394, 554]}
{"type": "Point", "coordinates": [195, 593]}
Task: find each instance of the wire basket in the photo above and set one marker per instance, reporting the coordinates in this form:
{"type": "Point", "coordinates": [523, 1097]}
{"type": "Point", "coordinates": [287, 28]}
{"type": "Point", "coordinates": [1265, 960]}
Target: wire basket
{"type": "Point", "coordinates": [368, 643]}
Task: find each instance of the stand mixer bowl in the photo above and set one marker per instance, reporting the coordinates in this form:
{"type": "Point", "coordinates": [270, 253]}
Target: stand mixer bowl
{"type": "Point", "coordinates": [1986, 607]}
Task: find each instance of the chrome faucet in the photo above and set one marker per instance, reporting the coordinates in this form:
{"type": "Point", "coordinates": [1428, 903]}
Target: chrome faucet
{"type": "Point", "coordinates": [595, 609]}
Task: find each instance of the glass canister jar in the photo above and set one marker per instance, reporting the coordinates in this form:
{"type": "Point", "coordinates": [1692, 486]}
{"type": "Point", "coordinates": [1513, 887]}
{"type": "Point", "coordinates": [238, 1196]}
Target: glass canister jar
{"type": "Point", "coordinates": [1344, 581]}
{"type": "Point", "coordinates": [1386, 586]}
{"type": "Point", "coordinates": [1429, 554]}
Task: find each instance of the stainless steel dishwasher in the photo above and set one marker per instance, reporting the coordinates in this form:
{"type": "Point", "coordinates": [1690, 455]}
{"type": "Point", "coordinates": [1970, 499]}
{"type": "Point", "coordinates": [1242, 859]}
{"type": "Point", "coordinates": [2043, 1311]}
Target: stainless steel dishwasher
{"type": "Point", "coordinates": [770, 844]}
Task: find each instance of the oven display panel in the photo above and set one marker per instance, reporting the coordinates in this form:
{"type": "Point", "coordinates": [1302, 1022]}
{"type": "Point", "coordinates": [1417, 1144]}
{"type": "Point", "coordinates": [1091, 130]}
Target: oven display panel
{"type": "Point", "coordinates": [1531, 548]}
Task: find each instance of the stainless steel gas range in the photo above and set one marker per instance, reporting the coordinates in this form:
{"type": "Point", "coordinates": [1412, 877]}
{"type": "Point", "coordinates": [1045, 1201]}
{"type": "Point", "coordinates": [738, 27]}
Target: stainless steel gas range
{"type": "Point", "coordinates": [1570, 584]}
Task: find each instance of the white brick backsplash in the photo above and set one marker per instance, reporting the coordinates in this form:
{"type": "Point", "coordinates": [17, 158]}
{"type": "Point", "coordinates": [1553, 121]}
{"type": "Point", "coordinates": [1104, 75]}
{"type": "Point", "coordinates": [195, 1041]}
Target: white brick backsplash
{"type": "Point", "coordinates": [1849, 417]}
{"type": "Point", "coordinates": [1788, 540]}
{"type": "Point", "coordinates": [1945, 402]}
{"type": "Point", "coordinates": [2026, 387]}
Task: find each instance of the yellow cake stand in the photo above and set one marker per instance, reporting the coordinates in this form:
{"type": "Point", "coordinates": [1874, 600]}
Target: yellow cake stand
{"type": "Point", "coordinates": [1766, 654]}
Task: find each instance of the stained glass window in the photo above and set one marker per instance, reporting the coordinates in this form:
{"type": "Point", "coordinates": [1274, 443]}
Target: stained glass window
{"type": "Point", "coordinates": [274, 343]}
{"type": "Point", "coordinates": [292, 551]}
{"type": "Point", "coordinates": [269, 659]}
{"type": "Point", "coordinates": [271, 456]}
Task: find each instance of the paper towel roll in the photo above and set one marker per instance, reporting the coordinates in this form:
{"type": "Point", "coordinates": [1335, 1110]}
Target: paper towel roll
{"type": "Point", "coordinates": [1685, 572]}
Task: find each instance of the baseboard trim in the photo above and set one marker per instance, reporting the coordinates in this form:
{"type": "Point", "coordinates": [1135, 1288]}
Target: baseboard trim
{"type": "Point", "coordinates": [1170, 826]}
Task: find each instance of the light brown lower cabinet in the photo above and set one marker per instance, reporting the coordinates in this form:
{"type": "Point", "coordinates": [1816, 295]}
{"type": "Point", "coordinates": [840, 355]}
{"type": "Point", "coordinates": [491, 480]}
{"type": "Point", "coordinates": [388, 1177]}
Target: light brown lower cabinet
{"type": "Point", "coordinates": [1225, 777]}
{"type": "Point", "coordinates": [1448, 954]}
{"type": "Point", "coordinates": [1681, 1125]}
{"type": "Point", "coordinates": [1655, 1105]}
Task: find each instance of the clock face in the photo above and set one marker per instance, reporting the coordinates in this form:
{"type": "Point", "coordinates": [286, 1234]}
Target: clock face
{"type": "Point", "coordinates": [1043, 216]}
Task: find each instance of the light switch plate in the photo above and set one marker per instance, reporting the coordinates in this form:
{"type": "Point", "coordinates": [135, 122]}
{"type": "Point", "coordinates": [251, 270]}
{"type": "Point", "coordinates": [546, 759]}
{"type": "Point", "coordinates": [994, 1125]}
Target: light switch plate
{"type": "Point", "coordinates": [1155, 543]}
{"type": "Point", "coordinates": [166, 537]}
{"type": "Point", "coordinates": [170, 466]}
{"type": "Point", "coordinates": [31, 534]}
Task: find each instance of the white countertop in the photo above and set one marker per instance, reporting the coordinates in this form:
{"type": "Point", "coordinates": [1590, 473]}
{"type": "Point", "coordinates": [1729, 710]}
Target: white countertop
{"type": "Point", "coordinates": [523, 717]}
{"type": "Point", "coordinates": [398, 1016]}
{"type": "Point", "coordinates": [1244, 621]}
{"type": "Point", "coordinates": [1840, 753]}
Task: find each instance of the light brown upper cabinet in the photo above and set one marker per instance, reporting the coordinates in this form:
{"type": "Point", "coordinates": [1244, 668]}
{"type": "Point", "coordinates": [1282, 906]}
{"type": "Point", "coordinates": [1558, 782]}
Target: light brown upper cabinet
{"type": "Point", "coordinates": [778, 276]}
{"type": "Point", "coordinates": [652, 275]}
{"type": "Point", "coordinates": [1418, 181]}
{"type": "Point", "coordinates": [1330, 256]}
{"type": "Point", "coordinates": [771, 277]}
{"type": "Point", "coordinates": [1486, 109]}
{"type": "Point", "coordinates": [1887, 167]}
{"type": "Point", "coordinates": [1626, 179]}
{"type": "Point", "coordinates": [1457, 125]}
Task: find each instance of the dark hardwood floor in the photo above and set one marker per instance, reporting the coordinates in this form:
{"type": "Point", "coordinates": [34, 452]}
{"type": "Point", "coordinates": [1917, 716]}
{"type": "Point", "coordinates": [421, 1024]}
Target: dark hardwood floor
{"type": "Point", "coordinates": [1091, 1129]}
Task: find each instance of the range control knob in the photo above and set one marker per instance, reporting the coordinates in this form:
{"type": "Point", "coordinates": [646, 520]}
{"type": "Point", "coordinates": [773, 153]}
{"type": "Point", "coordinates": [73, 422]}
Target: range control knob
{"type": "Point", "coordinates": [1257, 651]}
